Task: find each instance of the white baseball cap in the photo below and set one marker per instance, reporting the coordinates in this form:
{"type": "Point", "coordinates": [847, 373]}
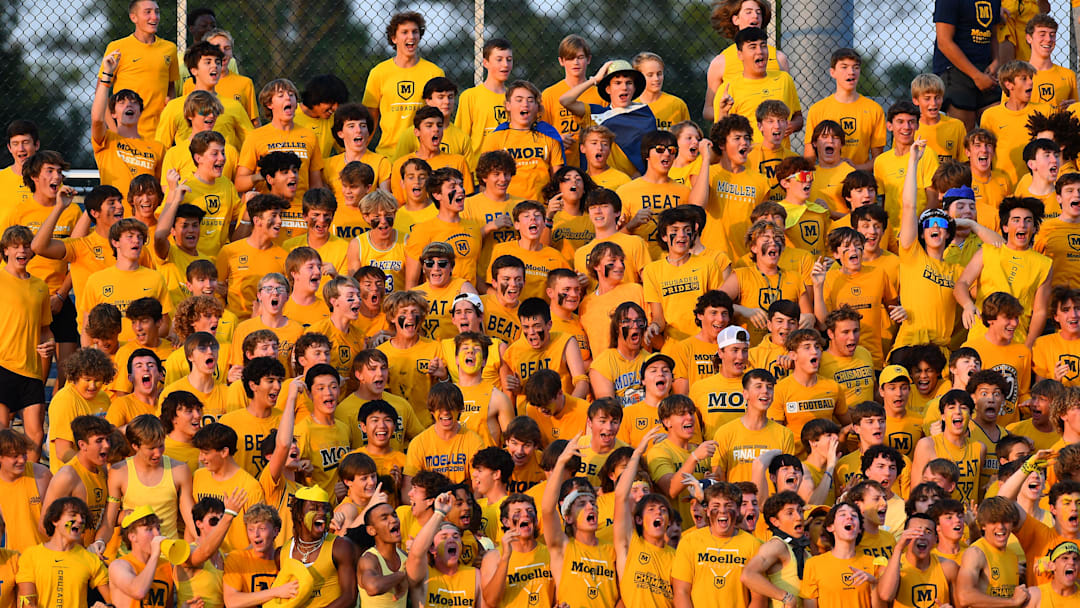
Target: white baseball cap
{"type": "Point", "coordinates": [732, 334]}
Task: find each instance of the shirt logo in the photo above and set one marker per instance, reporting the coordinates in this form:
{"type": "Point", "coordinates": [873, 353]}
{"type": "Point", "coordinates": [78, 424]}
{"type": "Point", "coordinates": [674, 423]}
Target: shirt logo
{"type": "Point", "coordinates": [462, 247]}
{"type": "Point", "coordinates": [768, 295]}
{"type": "Point", "coordinates": [213, 204]}
{"type": "Point", "coordinates": [243, 260]}
{"type": "Point", "coordinates": [1046, 91]}
{"type": "Point", "coordinates": [641, 424]}
{"type": "Point", "coordinates": [924, 595]}
{"type": "Point", "coordinates": [643, 558]}
{"type": "Point", "coordinates": [810, 231]}
{"type": "Point", "coordinates": [983, 13]}
{"type": "Point", "coordinates": [107, 291]}
{"type": "Point", "coordinates": [847, 123]}
{"type": "Point", "coordinates": [406, 88]}
{"type": "Point", "coordinates": [500, 113]}
{"type": "Point", "coordinates": [1074, 242]}
{"type": "Point", "coordinates": [856, 291]}
{"type": "Point", "coordinates": [1073, 361]}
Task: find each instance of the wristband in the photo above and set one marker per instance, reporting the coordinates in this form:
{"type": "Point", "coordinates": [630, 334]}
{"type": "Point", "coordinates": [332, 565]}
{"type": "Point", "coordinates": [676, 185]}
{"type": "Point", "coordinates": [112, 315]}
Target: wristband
{"type": "Point", "coordinates": [231, 512]}
{"type": "Point", "coordinates": [443, 513]}
{"type": "Point", "coordinates": [114, 499]}
{"type": "Point", "coordinates": [109, 73]}
{"type": "Point", "coordinates": [579, 378]}
{"type": "Point", "coordinates": [1032, 464]}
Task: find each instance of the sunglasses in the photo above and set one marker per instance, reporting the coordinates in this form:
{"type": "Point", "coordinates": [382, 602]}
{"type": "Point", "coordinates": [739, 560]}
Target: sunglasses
{"type": "Point", "coordinates": [935, 222]}
{"type": "Point", "coordinates": [660, 149]}
{"type": "Point", "coordinates": [802, 176]}
{"type": "Point", "coordinates": [442, 263]}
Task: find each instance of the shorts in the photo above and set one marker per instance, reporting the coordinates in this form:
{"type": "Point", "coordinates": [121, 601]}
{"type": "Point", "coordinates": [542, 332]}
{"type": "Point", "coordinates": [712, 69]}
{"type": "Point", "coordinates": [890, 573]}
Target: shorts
{"type": "Point", "coordinates": [960, 91]}
{"type": "Point", "coordinates": [20, 391]}
{"type": "Point", "coordinates": [64, 327]}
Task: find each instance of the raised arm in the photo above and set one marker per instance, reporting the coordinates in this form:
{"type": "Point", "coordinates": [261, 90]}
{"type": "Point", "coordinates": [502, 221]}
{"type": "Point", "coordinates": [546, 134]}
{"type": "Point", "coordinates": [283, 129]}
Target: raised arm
{"type": "Point", "coordinates": [569, 99]}
{"type": "Point", "coordinates": [624, 504]}
{"type": "Point", "coordinates": [168, 213]}
{"type": "Point", "coordinates": [554, 535]}
{"type": "Point", "coordinates": [909, 219]}
{"type": "Point", "coordinates": [44, 244]}
{"type": "Point", "coordinates": [416, 566]}
{"type": "Point", "coordinates": [283, 441]}
{"type": "Point", "coordinates": [123, 578]}
{"type": "Point", "coordinates": [211, 542]}
{"type": "Point", "coordinates": [699, 190]}
{"type": "Point", "coordinates": [100, 108]}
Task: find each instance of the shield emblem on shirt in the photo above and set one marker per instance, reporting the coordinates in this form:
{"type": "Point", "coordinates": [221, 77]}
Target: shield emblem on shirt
{"type": "Point", "coordinates": [847, 578]}
{"type": "Point", "coordinates": [422, 365]}
{"type": "Point", "coordinates": [461, 247]}
{"type": "Point", "coordinates": [847, 123]}
{"type": "Point", "coordinates": [718, 582]}
{"type": "Point", "coordinates": [766, 296]}
{"type": "Point", "coordinates": [810, 230]}
{"type": "Point", "coordinates": [534, 598]}
{"type": "Point", "coordinates": [1074, 242]}
{"type": "Point", "coordinates": [984, 13]}
{"type": "Point", "coordinates": [768, 168]}
{"type": "Point", "coordinates": [213, 204]}
{"type": "Point", "coordinates": [1046, 91]}
{"type": "Point", "coordinates": [406, 89]}
{"type": "Point", "coordinates": [924, 595]}
{"type": "Point", "coordinates": [640, 424]}
{"type": "Point", "coordinates": [97, 252]}
{"type": "Point", "coordinates": [500, 113]}
{"type": "Point", "coordinates": [1073, 361]}
{"type": "Point", "coordinates": [643, 558]}
{"type": "Point", "coordinates": [856, 291]}
{"type": "Point", "coordinates": [344, 353]}
{"type": "Point", "coordinates": [107, 291]}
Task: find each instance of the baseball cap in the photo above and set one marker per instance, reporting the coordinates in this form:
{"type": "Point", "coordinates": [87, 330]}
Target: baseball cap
{"type": "Point", "coordinates": [437, 250]}
{"type": "Point", "coordinates": [620, 67]}
{"type": "Point", "coordinates": [471, 298]}
{"type": "Point", "coordinates": [313, 493]}
{"type": "Point", "coordinates": [732, 334]}
{"type": "Point", "coordinates": [136, 515]}
{"type": "Point", "coordinates": [892, 373]}
{"type": "Point", "coordinates": [653, 358]}
{"type": "Point", "coordinates": [957, 194]}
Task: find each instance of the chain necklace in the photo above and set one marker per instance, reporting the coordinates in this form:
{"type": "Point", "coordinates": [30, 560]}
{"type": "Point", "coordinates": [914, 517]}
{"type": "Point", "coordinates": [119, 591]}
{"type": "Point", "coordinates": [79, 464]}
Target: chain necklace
{"type": "Point", "coordinates": [314, 544]}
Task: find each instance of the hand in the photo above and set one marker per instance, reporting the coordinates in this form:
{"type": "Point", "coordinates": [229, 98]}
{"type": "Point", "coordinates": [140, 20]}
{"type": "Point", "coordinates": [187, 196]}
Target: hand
{"type": "Point", "coordinates": [302, 466]}
{"type": "Point", "coordinates": [109, 63]}
{"type": "Point", "coordinates": [195, 603]}
{"type": "Point", "coordinates": [97, 548]}
{"type": "Point", "coordinates": [512, 384]}
{"type": "Point", "coordinates": [337, 522]}
{"type": "Point", "coordinates": [1061, 370]}
{"type": "Point", "coordinates": [694, 486]}
{"type": "Point", "coordinates": [602, 71]}
{"type": "Point", "coordinates": [235, 373]}
{"type": "Point", "coordinates": [1020, 595]}
{"type": "Point", "coordinates": [819, 271]}
{"type": "Point", "coordinates": [288, 590]}
{"type": "Point", "coordinates": [555, 205]}
{"type": "Point", "coordinates": [443, 502]}
{"type": "Point", "coordinates": [971, 317]}
{"type": "Point", "coordinates": [918, 147]}
{"type": "Point", "coordinates": [572, 449]}
{"type": "Point", "coordinates": [437, 367]}
{"type": "Point", "coordinates": [236, 500]}
{"type": "Point", "coordinates": [46, 348]}
{"type": "Point", "coordinates": [705, 451]}
{"type": "Point", "coordinates": [832, 454]}
{"type": "Point", "coordinates": [786, 361]}
{"type": "Point", "coordinates": [859, 576]}
{"type": "Point", "coordinates": [340, 490]}
{"type": "Point", "coordinates": [570, 142]}
{"type": "Point", "coordinates": [328, 270]}
{"type": "Point", "coordinates": [379, 497]}
{"type": "Point", "coordinates": [654, 434]}
{"type": "Point", "coordinates": [56, 302]}
{"type": "Point", "coordinates": [759, 318]}
{"type": "Point", "coordinates": [642, 216]}
{"type": "Point", "coordinates": [397, 476]}
{"type": "Point", "coordinates": [172, 178]}
{"type": "Point", "coordinates": [897, 313]}
{"type": "Point", "coordinates": [906, 538]}
{"type": "Point", "coordinates": [508, 538]}
{"type": "Point", "coordinates": [726, 103]}
{"type": "Point", "coordinates": [705, 150]}
{"type": "Point", "coordinates": [653, 330]}
{"type": "Point", "coordinates": [379, 338]}
{"type": "Point", "coordinates": [67, 195]}
{"type": "Point", "coordinates": [250, 194]}
{"type": "Point", "coordinates": [983, 81]}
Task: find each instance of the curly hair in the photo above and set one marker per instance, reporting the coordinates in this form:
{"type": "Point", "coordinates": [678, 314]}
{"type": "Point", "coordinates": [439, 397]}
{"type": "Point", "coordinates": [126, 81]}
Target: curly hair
{"type": "Point", "coordinates": [90, 363]}
{"type": "Point", "coordinates": [191, 310]}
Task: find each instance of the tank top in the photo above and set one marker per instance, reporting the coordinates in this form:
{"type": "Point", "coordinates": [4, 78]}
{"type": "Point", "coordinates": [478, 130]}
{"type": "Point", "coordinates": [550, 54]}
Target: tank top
{"type": "Point", "coordinates": [1019, 273]}
{"type": "Point", "coordinates": [97, 494]}
{"type": "Point", "coordinates": [161, 497]}
{"type": "Point", "coordinates": [323, 572]}
{"type": "Point", "coordinates": [205, 583]}
{"type": "Point", "coordinates": [787, 578]}
{"type": "Point", "coordinates": [919, 588]}
{"type": "Point", "coordinates": [967, 459]}
{"type": "Point", "coordinates": [21, 505]}
{"type": "Point", "coordinates": [386, 600]}
{"type": "Point", "coordinates": [1050, 598]}
{"type": "Point", "coordinates": [161, 589]}
{"type": "Point", "coordinates": [474, 417]}
{"type": "Point", "coordinates": [528, 580]}
{"type": "Point", "coordinates": [588, 576]}
{"type": "Point", "coordinates": [1005, 564]}
{"type": "Point", "coordinates": [457, 589]}
{"type": "Point", "coordinates": [646, 579]}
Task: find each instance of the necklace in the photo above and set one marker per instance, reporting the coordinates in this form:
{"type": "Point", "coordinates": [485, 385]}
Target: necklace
{"type": "Point", "coordinates": [314, 546]}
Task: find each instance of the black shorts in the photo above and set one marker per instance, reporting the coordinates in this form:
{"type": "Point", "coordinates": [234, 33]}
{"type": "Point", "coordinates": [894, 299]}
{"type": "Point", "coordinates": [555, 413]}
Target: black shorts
{"type": "Point", "coordinates": [960, 91]}
{"type": "Point", "coordinates": [64, 327]}
{"type": "Point", "coordinates": [18, 391]}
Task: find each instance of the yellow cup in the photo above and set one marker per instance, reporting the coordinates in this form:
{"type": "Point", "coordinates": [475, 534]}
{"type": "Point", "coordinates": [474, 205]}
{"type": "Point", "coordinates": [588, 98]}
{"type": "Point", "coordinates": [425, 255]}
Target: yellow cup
{"type": "Point", "coordinates": [176, 551]}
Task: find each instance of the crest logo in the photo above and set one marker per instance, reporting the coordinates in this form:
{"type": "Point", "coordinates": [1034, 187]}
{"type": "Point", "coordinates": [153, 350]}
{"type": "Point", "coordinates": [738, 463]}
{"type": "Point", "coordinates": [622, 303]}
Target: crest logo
{"type": "Point", "coordinates": [593, 593]}
{"type": "Point", "coordinates": [810, 230]}
{"type": "Point", "coordinates": [243, 260]}
{"type": "Point", "coordinates": [1073, 361]}
{"type": "Point", "coordinates": [500, 113]}
{"type": "Point", "coordinates": [643, 558]}
{"type": "Point", "coordinates": [641, 424]}
{"type": "Point", "coordinates": [344, 353]}
{"type": "Point", "coordinates": [213, 204]}
{"type": "Point", "coordinates": [107, 291]}
{"type": "Point", "coordinates": [767, 295]}
{"type": "Point", "coordinates": [1074, 242]}
{"type": "Point", "coordinates": [924, 595]}
{"type": "Point", "coordinates": [1046, 91]}
{"type": "Point", "coordinates": [461, 247]}
{"type": "Point", "coordinates": [984, 13]}
{"type": "Point", "coordinates": [847, 123]}
{"type": "Point", "coordinates": [406, 88]}
{"type": "Point", "coordinates": [719, 581]}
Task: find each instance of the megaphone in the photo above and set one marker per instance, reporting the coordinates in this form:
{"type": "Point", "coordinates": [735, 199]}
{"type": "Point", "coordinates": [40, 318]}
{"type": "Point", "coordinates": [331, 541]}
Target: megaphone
{"type": "Point", "coordinates": [176, 551]}
{"type": "Point", "coordinates": [292, 569]}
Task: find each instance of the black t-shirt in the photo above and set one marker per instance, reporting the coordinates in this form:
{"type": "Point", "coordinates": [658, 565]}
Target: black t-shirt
{"type": "Point", "coordinates": [974, 21]}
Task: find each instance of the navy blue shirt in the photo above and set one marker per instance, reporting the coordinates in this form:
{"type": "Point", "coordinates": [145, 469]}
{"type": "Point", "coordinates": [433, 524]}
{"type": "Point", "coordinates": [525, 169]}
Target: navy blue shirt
{"type": "Point", "coordinates": [974, 21]}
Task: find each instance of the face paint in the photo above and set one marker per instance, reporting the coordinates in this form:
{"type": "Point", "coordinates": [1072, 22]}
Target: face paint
{"type": "Point", "coordinates": [309, 519]}
{"type": "Point", "coordinates": [400, 320]}
{"type": "Point", "coordinates": [467, 349]}
{"type": "Point", "coordinates": [607, 270]}
{"type": "Point", "coordinates": [69, 524]}
{"type": "Point", "coordinates": [542, 335]}
{"type": "Point", "coordinates": [562, 296]}
{"type": "Point", "coordinates": [579, 520]}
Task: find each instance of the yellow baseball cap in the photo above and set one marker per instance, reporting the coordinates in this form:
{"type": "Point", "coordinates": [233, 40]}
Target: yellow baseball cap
{"type": "Point", "coordinates": [136, 515]}
{"type": "Point", "coordinates": [313, 493]}
{"type": "Point", "coordinates": [892, 373]}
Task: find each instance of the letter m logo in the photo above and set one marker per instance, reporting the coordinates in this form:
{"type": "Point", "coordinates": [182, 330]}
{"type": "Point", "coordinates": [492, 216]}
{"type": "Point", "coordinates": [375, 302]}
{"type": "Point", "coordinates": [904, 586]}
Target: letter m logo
{"type": "Point", "coordinates": [924, 595]}
{"type": "Point", "coordinates": [1046, 91]}
{"type": "Point", "coordinates": [1074, 242]}
{"type": "Point", "coordinates": [406, 89]}
{"type": "Point", "coordinates": [901, 442]}
{"type": "Point", "coordinates": [847, 123]}
{"type": "Point", "coordinates": [810, 230]}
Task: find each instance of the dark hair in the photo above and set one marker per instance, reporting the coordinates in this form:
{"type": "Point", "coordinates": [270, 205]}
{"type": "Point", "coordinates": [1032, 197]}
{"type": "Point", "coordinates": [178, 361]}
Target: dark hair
{"type": "Point", "coordinates": [174, 401]}
{"type": "Point", "coordinates": [534, 307]}
{"type": "Point", "coordinates": [144, 308]}
{"type": "Point", "coordinates": [215, 436]}
{"type": "Point", "coordinates": [902, 107]}
{"type": "Point", "coordinates": [1032, 204]}
{"type": "Point", "coordinates": [324, 88]}
{"type": "Point", "coordinates": [22, 127]}
{"type": "Point", "coordinates": [275, 162]}
{"type": "Point", "coordinates": [882, 451]}
{"type": "Point", "coordinates": [436, 180]}
{"type": "Point", "coordinates": [404, 17]}
{"type": "Point", "coordinates": [438, 84]}
{"type": "Point", "coordinates": [750, 34]}
{"type": "Point", "coordinates": [85, 427]}
{"type": "Point", "coordinates": [60, 506]}
{"type": "Point", "coordinates": [257, 369]}
{"type": "Point", "coordinates": [201, 49]}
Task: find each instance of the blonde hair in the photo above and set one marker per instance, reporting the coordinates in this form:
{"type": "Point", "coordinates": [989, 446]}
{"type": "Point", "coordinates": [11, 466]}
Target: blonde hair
{"type": "Point", "coordinates": [1010, 71]}
{"type": "Point", "coordinates": [378, 200]}
{"type": "Point", "coordinates": [600, 130]}
{"type": "Point", "coordinates": [927, 83]}
{"type": "Point", "coordinates": [202, 102]}
{"type": "Point", "coordinates": [400, 299]}
{"type": "Point", "coordinates": [644, 56]}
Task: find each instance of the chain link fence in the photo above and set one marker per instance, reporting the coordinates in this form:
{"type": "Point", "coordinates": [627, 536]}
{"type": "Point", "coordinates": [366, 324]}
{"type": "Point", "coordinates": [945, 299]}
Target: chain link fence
{"type": "Point", "coordinates": [49, 51]}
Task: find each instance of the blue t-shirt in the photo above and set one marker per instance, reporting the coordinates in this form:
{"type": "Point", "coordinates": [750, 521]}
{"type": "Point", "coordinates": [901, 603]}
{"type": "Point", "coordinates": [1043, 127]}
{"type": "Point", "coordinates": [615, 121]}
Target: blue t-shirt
{"type": "Point", "coordinates": [974, 21]}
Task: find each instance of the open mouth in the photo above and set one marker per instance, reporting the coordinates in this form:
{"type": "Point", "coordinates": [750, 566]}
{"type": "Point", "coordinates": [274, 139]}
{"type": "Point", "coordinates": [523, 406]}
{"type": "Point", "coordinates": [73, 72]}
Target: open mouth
{"type": "Point", "coordinates": [922, 545]}
{"type": "Point", "coordinates": [590, 517]}
{"type": "Point", "coordinates": [22, 258]}
{"type": "Point", "coordinates": [452, 550]}
{"type": "Point", "coordinates": [791, 481]}
{"type": "Point", "coordinates": [814, 360]}
{"type": "Point", "coordinates": [828, 150]}
{"type": "Point", "coordinates": [146, 381]}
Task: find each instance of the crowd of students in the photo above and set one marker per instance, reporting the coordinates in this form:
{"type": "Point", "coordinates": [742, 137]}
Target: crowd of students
{"type": "Point", "coordinates": [524, 348]}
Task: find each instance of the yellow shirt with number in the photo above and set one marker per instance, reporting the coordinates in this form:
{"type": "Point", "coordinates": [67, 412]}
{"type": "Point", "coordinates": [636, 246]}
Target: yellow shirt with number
{"type": "Point", "coordinates": [640, 194]}
{"type": "Point", "coordinates": [732, 196]}
{"type": "Point", "coordinates": [889, 171]}
{"type": "Point", "coordinates": [568, 125]}
{"type": "Point", "coordinates": [862, 120]}
{"type": "Point", "coordinates": [945, 138]}
{"type": "Point", "coordinates": [146, 69]}
{"type": "Point", "coordinates": [396, 93]}
{"type": "Point", "coordinates": [677, 289]}
{"type": "Point", "coordinates": [391, 260]}
{"type": "Point", "coordinates": [713, 566]}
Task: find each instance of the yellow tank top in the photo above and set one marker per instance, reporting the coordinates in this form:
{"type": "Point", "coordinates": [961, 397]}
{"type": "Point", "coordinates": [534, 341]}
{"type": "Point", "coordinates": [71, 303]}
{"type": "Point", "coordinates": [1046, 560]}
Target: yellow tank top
{"type": "Point", "coordinates": [967, 458]}
{"type": "Point", "coordinates": [474, 418]}
{"type": "Point", "coordinates": [161, 589]}
{"type": "Point", "coordinates": [386, 600]}
{"type": "Point", "coordinates": [161, 497]}
{"type": "Point", "coordinates": [205, 583]}
{"type": "Point", "coordinates": [1019, 273]}
{"type": "Point", "coordinates": [646, 580]}
{"type": "Point", "coordinates": [324, 573]}
{"type": "Point", "coordinates": [21, 505]}
{"type": "Point", "coordinates": [1050, 598]}
{"type": "Point", "coordinates": [787, 578]}
{"type": "Point", "coordinates": [922, 588]}
{"type": "Point", "coordinates": [1004, 564]}
{"type": "Point", "coordinates": [528, 580]}
{"type": "Point", "coordinates": [97, 494]}
{"type": "Point", "coordinates": [734, 67]}
{"type": "Point", "coordinates": [457, 589]}
{"type": "Point", "coordinates": [588, 576]}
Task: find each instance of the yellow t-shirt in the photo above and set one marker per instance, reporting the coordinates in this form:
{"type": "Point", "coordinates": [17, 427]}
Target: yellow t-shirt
{"type": "Point", "coordinates": [637, 420]}
{"type": "Point", "coordinates": [588, 576]}
{"type": "Point", "coordinates": [122, 382]}
{"type": "Point", "coordinates": [395, 91]}
{"type": "Point", "coordinates": [1010, 127]}
{"type": "Point", "coordinates": [27, 301]}
{"type": "Point", "coordinates": [806, 226]}
{"type": "Point", "coordinates": [146, 69]}
{"type": "Point", "coordinates": [438, 324]}
{"type": "Point", "coordinates": [1053, 86]}
{"type": "Point", "coordinates": [537, 266]}
{"type": "Point", "coordinates": [31, 215]}
{"type": "Point", "coordinates": [1060, 241]}
{"type": "Point", "coordinates": [1051, 349]}
{"type": "Point", "coordinates": [945, 138]}
{"type": "Point", "coordinates": [596, 309]}
{"type": "Point", "coordinates": [241, 266]}
{"type": "Point", "coordinates": [308, 315]}
{"type": "Point", "coordinates": [523, 360]}
{"type": "Point", "coordinates": [439, 161]}
{"type": "Point", "coordinates": [454, 141]}
{"type": "Point", "coordinates": [120, 159]}
{"type": "Point", "coordinates": [758, 290]}
{"type": "Point", "coordinates": [463, 237]}
{"type": "Point", "coordinates": [693, 358]}
{"type": "Point", "coordinates": [1019, 273]}
{"type": "Point", "coordinates": [321, 127]}
{"type": "Point", "coordinates": [61, 578]}
{"type": "Point", "coordinates": [794, 404]}
{"type": "Point", "coordinates": [988, 195]}
{"type": "Point", "coordinates": [866, 292]}
{"type": "Point", "coordinates": [536, 155]}
{"type": "Point", "coordinates": [927, 297]}
{"type": "Point", "coordinates": [765, 162]}
{"type": "Point", "coordinates": [732, 196]}
{"type": "Point", "coordinates": [12, 183]}
{"type": "Point", "coordinates": [287, 335]}
{"type": "Point", "coordinates": [733, 66]}
{"type": "Point", "coordinates": [409, 374]}
{"type": "Point", "coordinates": [453, 457]}
{"type": "Point", "coordinates": [204, 484]}
{"type": "Point", "coordinates": [179, 158]}
{"type": "Point", "coordinates": [344, 346]}
{"type": "Point", "coordinates": [570, 421]}
{"type": "Point", "coordinates": [406, 426]}
{"type": "Point", "coordinates": [1012, 361]}
{"type": "Point", "coordinates": [223, 208]}
{"type": "Point", "coordinates": [766, 355]}
{"type": "Point", "coordinates": [634, 248]}
{"type": "Point", "coordinates": [331, 174]}
{"type": "Point", "coordinates": [482, 209]}
{"type": "Point", "coordinates": [738, 447]}
{"type": "Point", "coordinates": [500, 322]}
{"type": "Point", "coordinates": [677, 289]}
{"type": "Point", "coordinates": [298, 140]}
{"type": "Point", "coordinates": [749, 93]}
{"type": "Point", "coordinates": [123, 410]}
{"type": "Point", "coordinates": [324, 445]}
{"type": "Point", "coordinates": [862, 120]}
{"type": "Point", "coordinates": [569, 126]}
{"type": "Point", "coordinates": [122, 287]}
{"type": "Point", "coordinates": [640, 194]}
{"type": "Point", "coordinates": [213, 402]}
{"type": "Point", "coordinates": [889, 170]}
{"type": "Point", "coordinates": [1049, 200]}
{"type": "Point", "coordinates": [479, 111]}
{"type": "Point", "coordinates": [234, 85]}
{"type": "Point", "coordinates": [332, 252]}
{"type": "Point", "coordinates": [827, 579]}
{"type": "Point", "coordinates": [234, 123]}
{"type": "Point", "coordinates": [719, 400]}
{"type": "Point", "coordinates": [855, 374]}
{"type": "Point", "coordinates": [251, 430]}
{"type": "Point", "coordinates": [624, 374]}
{"type": "Point", "coordinates": [613, 179]}
{"type": "Point", "coordinates": [67, 405]}
{"type": "Point", "coordinates": [668, 110]}
{"type": "Point", "coordinates": [713, 566]}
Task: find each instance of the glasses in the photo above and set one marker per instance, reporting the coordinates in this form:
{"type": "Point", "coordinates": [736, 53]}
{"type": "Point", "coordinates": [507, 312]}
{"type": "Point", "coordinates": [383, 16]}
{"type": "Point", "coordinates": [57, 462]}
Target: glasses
{"type": "Point", "coordinates": [660, 149]}
{"type": "Point", "coordinates": [442, 263]}
{"type": "Point", "coordinates": [207, 113]}
{"type": "Point", "coordinates": [802, 176]}
{"type": "Point", "coordinates": [272, 289]}
{"type": "Point", "coordinates": [935, 222]}
{"type": "Point", "coordinates": [632, 323]}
